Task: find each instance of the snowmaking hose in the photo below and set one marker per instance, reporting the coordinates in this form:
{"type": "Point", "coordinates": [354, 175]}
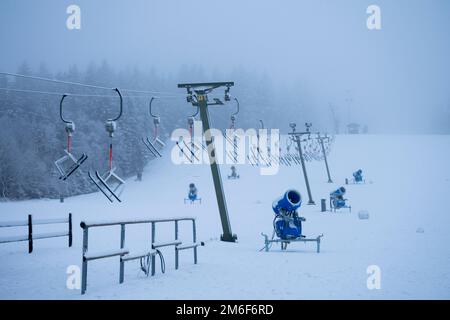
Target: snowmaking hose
{"type": "Point", "coordinates": [273, 236]}
{"type": "Point", "coordinates": [145, 263]}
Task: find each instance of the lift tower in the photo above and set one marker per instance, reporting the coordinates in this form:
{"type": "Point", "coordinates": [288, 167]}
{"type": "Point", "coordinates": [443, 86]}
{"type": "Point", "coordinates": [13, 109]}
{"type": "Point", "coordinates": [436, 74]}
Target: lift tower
{"type": "Point", "coordinates": [297, 137]}
{"type": "Point", "coordinates": [197, 94]}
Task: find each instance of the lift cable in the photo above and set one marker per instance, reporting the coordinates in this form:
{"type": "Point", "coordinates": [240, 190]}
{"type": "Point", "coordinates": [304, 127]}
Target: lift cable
{"type": "Point", "coordinates": [84, 84]}
{"type": "Point", "coordinates": [81, 95]}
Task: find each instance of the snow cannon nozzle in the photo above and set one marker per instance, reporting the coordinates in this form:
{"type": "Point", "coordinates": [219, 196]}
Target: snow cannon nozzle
{"type": "Point", "coordinates": [290, 201]}
{"type": "Point", "coordinates": [338, 193]}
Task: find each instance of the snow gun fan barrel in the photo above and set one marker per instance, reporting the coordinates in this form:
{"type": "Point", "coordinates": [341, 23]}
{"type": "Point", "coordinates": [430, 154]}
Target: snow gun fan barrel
{"type": "Point", "coordinates": [290, 201]}
{"type": "Point", "coordinates": [338, 192]}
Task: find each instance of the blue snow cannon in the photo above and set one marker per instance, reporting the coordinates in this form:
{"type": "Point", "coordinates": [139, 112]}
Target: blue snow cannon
{"type": "Point", "coordinates": [192, 192]}
{"type": "Point", "coordinates": [192, 195]}
{"type": "Point", "coordinates": [357, 175]}
{"type": "Point", "coordinates": [337, 200]}
{"type": "Point", "coordinates": [290, 201]}
{"type": "Point", "coordinates": [287, 224]}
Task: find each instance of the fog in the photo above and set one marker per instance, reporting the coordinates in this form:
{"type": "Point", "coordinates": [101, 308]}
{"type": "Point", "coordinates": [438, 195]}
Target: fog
{"type": "Point", "coordinates": [313, 53]}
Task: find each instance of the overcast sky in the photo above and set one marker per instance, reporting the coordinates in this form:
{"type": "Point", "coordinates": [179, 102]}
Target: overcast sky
{"type": "Point", "coordinates": [402, 70]}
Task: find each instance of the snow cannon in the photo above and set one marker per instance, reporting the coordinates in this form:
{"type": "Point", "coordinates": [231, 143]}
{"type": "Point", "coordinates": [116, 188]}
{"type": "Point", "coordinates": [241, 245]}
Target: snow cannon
{"type": "Point", "coordinates": [192, 192]}
{"type": "Point", "coordinates": [357, 176]}
{"type": "Point", "coordinates": [234, 174]}
{"type": "Point", "coordinates": [192, 195]}
{"type": "Point", "coordinates": [339, 193]}
{"type": "Point", "coordinates": [289, 202]}
{"type": "Point", "coordinates": [337, 200]}
{"type": "Point", "coordinates": [287, 223]}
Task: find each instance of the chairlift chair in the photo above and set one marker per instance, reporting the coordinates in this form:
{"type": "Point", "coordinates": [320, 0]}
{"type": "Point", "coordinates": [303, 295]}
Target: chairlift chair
{"type": "Point", "coordinates": [151, 144]}
{"type": "Point", "coordinates": [68, 163]}
{"type": "Point", "coordinates": [191, 146]}
{"type": "Point", "coordinates": [109, 183]}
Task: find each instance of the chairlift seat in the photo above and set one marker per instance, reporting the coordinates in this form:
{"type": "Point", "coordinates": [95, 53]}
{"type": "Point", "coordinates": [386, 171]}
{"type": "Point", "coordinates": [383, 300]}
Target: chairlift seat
{"type": "Point", "coordinates": [151, 146]}
{"type": "Point", "coordinates": [115, 182]}
{"type": "Point", "coordinates": [110, 184]}
{"type": "Point", "coordinates": [158, 141]}
{"type": "Point", "coordinates": [68, 164]}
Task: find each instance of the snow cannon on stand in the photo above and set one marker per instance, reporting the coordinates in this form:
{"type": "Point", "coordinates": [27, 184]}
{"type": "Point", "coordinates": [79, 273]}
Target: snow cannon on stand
{"type": "Point", "coordinates": [357, 178]}
{"type": "Point", "coordinates": [233, 174]}
{"type": "Point", "coordinates": [287, 224]}
{"type": "Point", "coordinates": [192, 195]}
{"type": "Point", "coordinates": [337, 200]}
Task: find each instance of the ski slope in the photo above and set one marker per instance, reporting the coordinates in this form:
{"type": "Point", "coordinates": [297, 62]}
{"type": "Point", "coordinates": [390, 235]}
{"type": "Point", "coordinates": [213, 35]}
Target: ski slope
{"type": "Point", "coordinates": [408, 181]}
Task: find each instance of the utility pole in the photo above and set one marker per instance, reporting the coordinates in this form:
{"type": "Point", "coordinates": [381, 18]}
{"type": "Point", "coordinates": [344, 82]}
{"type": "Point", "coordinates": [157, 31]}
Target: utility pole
{"type": "Point", "coordinates": [198, 97]}
{"type": "Point", "coordinates": [296, 136]}
{"type": "Point", "coordinates": [320, 138]}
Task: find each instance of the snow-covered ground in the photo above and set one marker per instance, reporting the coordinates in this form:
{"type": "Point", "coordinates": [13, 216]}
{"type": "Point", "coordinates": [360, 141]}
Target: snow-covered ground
{"type": "Point", "coordinates": [408, 184]}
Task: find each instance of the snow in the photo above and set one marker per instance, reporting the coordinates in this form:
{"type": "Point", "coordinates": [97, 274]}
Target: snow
{"type": "Point", "coordinates": [408, 180]}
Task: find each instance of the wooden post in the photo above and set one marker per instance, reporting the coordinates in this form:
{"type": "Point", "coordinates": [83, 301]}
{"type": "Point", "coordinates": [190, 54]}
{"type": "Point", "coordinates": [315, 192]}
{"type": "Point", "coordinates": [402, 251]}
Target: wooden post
{"type": "Point", "coordinates": [70, 230]}
{"type": "Point", "coordinates": [176, 249]}
{"type": "Point", "coordinates": [323, 205]}
{"type": "Point", "coordinates": [122, 245]}
{"type": "Point", "coordinates": [30, 234]}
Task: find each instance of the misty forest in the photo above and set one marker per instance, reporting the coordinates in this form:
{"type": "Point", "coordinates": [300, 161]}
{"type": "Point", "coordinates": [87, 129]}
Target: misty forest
{"type": "Point", "coordinates": [36, 134]}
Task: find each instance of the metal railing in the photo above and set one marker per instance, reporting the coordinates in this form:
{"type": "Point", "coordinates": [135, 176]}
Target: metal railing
{"type": "Point", "coordinates": [30, 237]}
{"type": "Point", "coordinates": [125, 254]}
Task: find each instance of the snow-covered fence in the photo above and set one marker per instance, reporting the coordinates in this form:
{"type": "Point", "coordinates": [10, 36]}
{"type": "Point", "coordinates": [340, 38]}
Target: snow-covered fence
{"type": "Point", "coordinates": [125, 254]}
{"type": "Point", "coordinates": [30, 237]}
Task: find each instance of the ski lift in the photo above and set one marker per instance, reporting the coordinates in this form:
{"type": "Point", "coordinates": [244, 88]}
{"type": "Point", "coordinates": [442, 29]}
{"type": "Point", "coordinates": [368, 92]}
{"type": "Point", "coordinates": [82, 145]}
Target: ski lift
{"type": "Point", "coordinates": [308, 126]}
{"type": "Point", "coordinates": [189, 97]}
{"type": "Point", "coordinates": [227, 94]}
{"type": "Point", "coordinates": [192, 147]}
{"type": "Point", "coordinates": [262, 124]}
{"type": "Point", "coordinates": [151, 144]}
{"type": "Point", "coordinates": [233, 116]}
{"type": "Point", "coordinates": [68, 163]}
{"type": "Point", "coordinates": [191, 120]}
{"type": "Point", "coordinates": [110, 184]}
{"type": "Point", "coordinates": [292, 125]}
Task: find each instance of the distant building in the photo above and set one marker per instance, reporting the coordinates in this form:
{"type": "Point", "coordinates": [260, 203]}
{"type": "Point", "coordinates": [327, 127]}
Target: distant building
{"type": "Point", "coordinates": [365, 129]}
{"type": "Point", "coordinates": [353, 128]}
